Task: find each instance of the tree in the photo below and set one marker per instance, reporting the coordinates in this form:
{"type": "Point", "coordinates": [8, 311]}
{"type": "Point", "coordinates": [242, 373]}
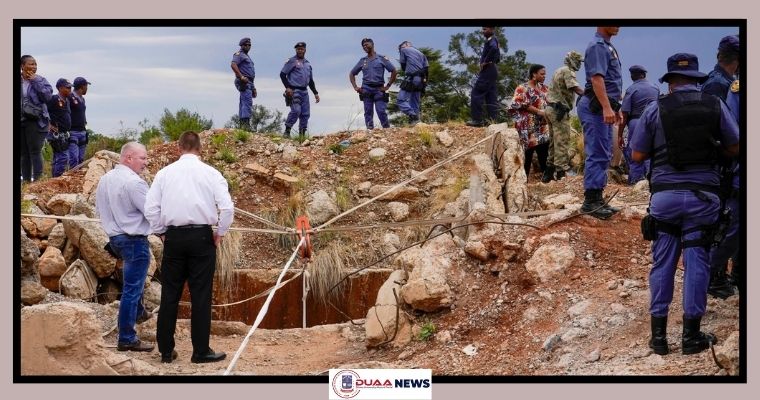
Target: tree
{"type": "Point", "coordinates": [174, 124]}
{"type": "Point", "coordinates": [464, 58]}
{"type": "Point", "coordinates": [262, 120]}
{"type": "Point", "coordinates": [149, 133]}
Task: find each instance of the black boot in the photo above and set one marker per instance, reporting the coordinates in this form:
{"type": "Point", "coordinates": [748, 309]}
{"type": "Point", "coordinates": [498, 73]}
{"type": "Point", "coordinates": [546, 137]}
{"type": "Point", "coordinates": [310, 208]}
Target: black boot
{"type": "Point", "coordinates": [414, 120]}
{"type": "Point", "coordinates": [719, 287]}
{"type": "Point", "coordinates": [694, 340]}
{"type": "Point", "coordinates": [302, 133]}
{"type": "Point", "coordinates": [287, 132]}
{"type": "Point", "coordinates": [560, 175]}
{"type": "Point", "coordinates": [245, 124]}
{"type": "Point", "coordinates": [659, 340]}
{"type": "Point", "coordinates": [609, 207]}
{"type": "Point", "coordinates": [548, 175]}
{"type": "Point", "coordinates": [593, 204]}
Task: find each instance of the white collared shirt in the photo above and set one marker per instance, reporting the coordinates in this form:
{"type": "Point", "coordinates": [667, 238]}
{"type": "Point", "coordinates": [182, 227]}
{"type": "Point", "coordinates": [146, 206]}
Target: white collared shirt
{"type": "Point", "coordinates": [120, 199]}
{"type": "Point", "coordinates": [187, 192]}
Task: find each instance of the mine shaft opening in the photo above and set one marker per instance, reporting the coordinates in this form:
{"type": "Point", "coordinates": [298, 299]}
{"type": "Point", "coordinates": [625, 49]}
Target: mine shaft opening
{"type": "Point", "coordinates": [286, 308]}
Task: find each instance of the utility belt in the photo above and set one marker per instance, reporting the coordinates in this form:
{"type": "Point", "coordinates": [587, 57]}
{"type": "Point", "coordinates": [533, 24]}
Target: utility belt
{"type": "Point", "coordinates": [242, 87]}
{"type": "Point", "coordinates": [595, 106]}
{"type": "Point", "coordinates": [370, 96]}
{"type": "Point", "coordinates": [188, 226]}
{"type": "Point", "coordinates": [59, 141]}
{"type": "Point", "coordinates": [407, 84]}
{"type": "Point", "coordinates": [560, 109]}
{"type": "Point", "coordinates": [711, 234]}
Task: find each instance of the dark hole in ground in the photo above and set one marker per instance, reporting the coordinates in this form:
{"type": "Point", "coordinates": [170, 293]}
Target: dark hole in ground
{"type": "Point", "coordinates": [286, 307]}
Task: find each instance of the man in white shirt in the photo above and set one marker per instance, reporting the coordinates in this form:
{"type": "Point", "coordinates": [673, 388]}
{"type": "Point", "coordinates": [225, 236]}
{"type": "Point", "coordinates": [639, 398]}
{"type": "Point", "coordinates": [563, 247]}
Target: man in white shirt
{"type": "Point", "coordinates": [188, 197]}
{"type": "Point", "coordinates": [120, 199]}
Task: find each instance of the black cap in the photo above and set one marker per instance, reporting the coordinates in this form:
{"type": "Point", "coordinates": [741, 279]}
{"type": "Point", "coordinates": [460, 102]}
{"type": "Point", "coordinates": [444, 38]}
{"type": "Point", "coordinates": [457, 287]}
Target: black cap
{"type": "Point", "coordinates": [637, 69]}
{"type": "Point", "coordinates": [365, 40]}
{"type": "Point", "coordinates": [63, 82]}
{"type": "Point", "coordinates": [299, 44]}
{"type": "Point", "coordinates": [244, 41]}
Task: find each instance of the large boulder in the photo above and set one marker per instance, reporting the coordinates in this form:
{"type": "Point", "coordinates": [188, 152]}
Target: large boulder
{"type": "Point", "coordinates": [727, 353]}
{"type": "Point", "coordinates": [37, 227]}
{"type": "Point", "coordinates": [399, 211]}
{"type": "Point", "coordinates": [79, 282]}
{"type": "Point", "coordinates": [52, 265]}
{"type": "Point", "coordinates": [156, 248]}
{"type": "Point", "coordinates": [508, 155]}
{"type": "Point", "coordinates": [382, 324]}
{"type": "Point", "coordinates": [427, 288]}
{"type": "Point", "coordinates": [32, 292]}
{"type": "Point", "coordinates": [65, 339]}
{"type": "Point", "coordinates": [550, 260]}
{"type": "Point", "coordinates": [61, 203]}
{"type": "Point", "coordinates": [321, 207]}
{"type": "Point", "coordinates": [57, 237]}
{"type": "Point", "coordinates": [30, 254]}
{"type": "Point", "coordinates": [90, 238]}
{"type": "Point", "coordinates": [100, 163]}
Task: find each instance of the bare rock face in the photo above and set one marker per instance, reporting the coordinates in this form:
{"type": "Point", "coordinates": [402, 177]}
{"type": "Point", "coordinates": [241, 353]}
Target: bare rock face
{"type": "Point", "coordinates": [57, 237]}
{"type": "Point", "coordinates": [549, 260]}
{"type": "Point", "coordinates": [102, 162]}
{"type": "Point", "coordinates": [491, 188]}
{"type": "Point", "coordinates": [381, 318]}
{"type": "Point", "coordinates": [84, 206]}
{"type": "Point", "coordinates": [152, 295]}
{"type": "Point", "coordinates": [156, 248]}
{"type": "Point", "coordinates": [727, 353]}
{"type": "Point", "coordinates": [52, 265]}
{"type": "Point", "coordinates": [61, 203]}
{"type": "Point", "coordinates": [509, 156]}
{"type": "Point", "coordinates": [70, 252]}
{"type": "Point", "coordinates": [89, 238]}
{"type": "Point", "coordinates": [64, 339]}
{"type": "Point", "coordinates": [32, 293]}
{"type": "Point", "coordinates": [30, 254]}
{"type": "Point", "coordinates": [321, 207]}
{"type": "Point", "coordinates": [427, 288]}
{"type": "Point", "coordinates": [80, 282]}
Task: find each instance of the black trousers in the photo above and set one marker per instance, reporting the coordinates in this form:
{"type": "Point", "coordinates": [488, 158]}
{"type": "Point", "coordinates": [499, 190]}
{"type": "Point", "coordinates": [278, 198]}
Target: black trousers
{"type": "Point", "coordinates": [31, 141]}
{"type": "Point", "coordinates": [542, 151]}
{"type": "Point", "coordinates": [189, 255]}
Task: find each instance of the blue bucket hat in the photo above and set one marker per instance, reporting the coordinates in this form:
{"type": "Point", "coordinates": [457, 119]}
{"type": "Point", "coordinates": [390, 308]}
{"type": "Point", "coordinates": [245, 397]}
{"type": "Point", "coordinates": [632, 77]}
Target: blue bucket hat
{"type": "Point", "coordinates": [637, 69]}
{"type": "Point", "coordinates": [684, 64]}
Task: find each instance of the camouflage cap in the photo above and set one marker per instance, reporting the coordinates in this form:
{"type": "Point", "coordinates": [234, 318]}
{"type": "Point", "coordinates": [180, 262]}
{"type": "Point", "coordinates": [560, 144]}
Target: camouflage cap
{"type": "Point", "coordinates": [573, 59]}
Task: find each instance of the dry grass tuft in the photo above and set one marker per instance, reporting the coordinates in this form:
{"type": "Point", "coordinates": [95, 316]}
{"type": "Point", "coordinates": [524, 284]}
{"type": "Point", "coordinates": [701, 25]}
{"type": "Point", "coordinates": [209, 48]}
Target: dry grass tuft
{"type": "Point", "coordinates": [327, 268]}
{"type": "Point", "coordinates": [227, 255]}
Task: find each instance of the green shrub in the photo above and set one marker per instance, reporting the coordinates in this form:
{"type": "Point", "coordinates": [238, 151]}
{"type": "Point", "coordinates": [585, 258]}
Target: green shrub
{"type": "Point", "coordinates": [218, 139]}
{"type": "Point", "coordinates": [226, 155]}
{"type": "Point", "coordinates": [242, 136]}
{"type": "Point", "coordinates": [427, 331]}
{"type": "Point", "coordinates": [174, 124]}
{"type": "Point", "coordinates": [336, 148]}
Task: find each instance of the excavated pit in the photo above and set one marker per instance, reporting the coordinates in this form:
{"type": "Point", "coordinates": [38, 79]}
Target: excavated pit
{"type": "Point", "coordinates": [286, 308]}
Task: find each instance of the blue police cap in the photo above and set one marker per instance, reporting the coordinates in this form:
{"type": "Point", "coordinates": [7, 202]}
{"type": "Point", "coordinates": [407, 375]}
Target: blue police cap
{"type": "Point", "coordinates": [684, 64]}
{"type": "Point", "coordinates": [365, 40]}
{"type": "Point", "coordinates": [244, 41]}
{"type": "Point", "coordinates": [299, 44]}
{"type": "Point", "coordinates": [63, 82]}
{"type": "Point", "coordinates": [729, 44]}
{"type": "Point", "coordinates": [80, 81]}
{"type": "Point", "coordinates": [637, 69]}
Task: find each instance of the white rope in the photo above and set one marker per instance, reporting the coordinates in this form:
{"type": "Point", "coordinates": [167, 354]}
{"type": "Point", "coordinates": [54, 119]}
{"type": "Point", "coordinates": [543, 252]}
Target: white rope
{"type": "Point", "coordinates": [404, 182]}
{"type": "Point", "coordinates": [263, 310]}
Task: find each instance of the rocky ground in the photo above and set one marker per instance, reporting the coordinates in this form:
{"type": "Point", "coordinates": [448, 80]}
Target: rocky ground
{"type": "Point", "coordinates": [508, 314]}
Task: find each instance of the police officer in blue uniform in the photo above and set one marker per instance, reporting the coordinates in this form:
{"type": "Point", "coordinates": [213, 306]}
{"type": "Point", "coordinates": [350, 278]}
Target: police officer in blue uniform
{"type": "Point", "coordinates": [637, 97]}
{"type": "Point", "coordinates": [296, 74]}
{"type": "Point", "coordinates": [718, 83]}
{"type": "Point", "coordinates": [79, 135]}
{"type": "Point", "coordinates": [598, 109]}
{"type": "Point", "coordinates": [60, 125]}
{"type": "Point", "coordinates": [415, 66]}
{"type": "Point", "coordinates": [683, 133]}
{"type": "Point", "coordinates": [725, 71]}
{"type": "Point", "coordinates": [242, 66]}
{"type": "Point", "coordinates": [373, 89]}
{"type": "Point", "coordinates": [485, 85]}
{"type": "Point", "coordinates": [720, 286]}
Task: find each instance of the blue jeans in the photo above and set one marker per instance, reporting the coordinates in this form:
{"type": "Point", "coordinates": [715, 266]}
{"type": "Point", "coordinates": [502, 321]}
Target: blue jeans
{"type": "Point", "coordinates": [597, 145]}
{"type": "Point", "coordinates": [135, 251]}
{"type": "Point", "coordinates": [685, 209]}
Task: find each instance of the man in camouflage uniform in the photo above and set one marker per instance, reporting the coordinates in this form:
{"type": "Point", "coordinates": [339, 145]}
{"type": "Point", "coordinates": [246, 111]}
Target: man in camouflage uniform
{"type": "Point", "coordinates": [560, 100]}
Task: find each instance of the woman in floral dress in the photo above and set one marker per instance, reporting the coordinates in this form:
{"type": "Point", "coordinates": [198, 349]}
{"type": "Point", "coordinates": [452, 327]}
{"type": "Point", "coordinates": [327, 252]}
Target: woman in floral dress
{"type": "Point", "coordinates": [527, 110]}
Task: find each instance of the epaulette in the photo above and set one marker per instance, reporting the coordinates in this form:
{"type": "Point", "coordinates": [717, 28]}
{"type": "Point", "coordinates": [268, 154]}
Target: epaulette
{"type": "Point", "coordinates": [237, 53]}
{"type": "Point", "coordinates": [386, 58]}
{"type": "Point", "coordinates": [735, 86]}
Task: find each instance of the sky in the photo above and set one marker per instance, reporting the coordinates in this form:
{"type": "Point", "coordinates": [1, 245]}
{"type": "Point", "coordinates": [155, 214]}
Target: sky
{"type": "Point", "coordinates": [136, 72]}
